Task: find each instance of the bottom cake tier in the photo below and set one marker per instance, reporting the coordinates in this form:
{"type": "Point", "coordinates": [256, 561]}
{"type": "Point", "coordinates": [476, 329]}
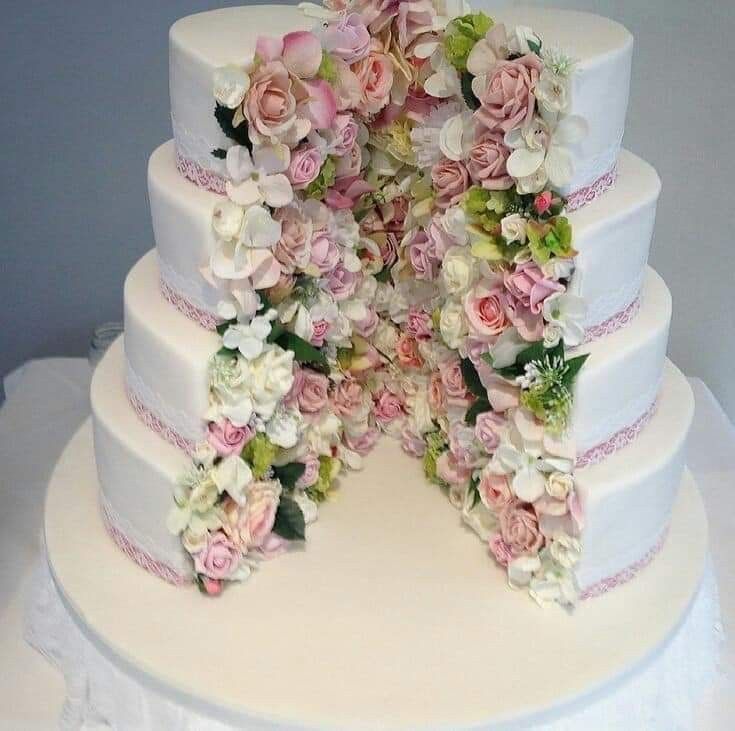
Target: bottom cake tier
{"type": "Point", "coordinates": [391, 619]}
{"type": "Point", "coordinates": [627, 497]}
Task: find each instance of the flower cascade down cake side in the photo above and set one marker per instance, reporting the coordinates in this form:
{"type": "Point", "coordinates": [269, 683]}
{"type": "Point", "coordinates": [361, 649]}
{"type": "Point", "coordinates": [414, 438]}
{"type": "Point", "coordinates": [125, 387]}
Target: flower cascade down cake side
{"type": "Point", "coordinates": [409, 219]}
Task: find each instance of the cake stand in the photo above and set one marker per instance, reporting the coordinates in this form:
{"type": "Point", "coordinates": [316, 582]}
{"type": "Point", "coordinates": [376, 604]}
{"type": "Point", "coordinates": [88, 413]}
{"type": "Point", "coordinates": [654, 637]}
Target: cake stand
{"type": "Point", "coordinates": [393, 617]}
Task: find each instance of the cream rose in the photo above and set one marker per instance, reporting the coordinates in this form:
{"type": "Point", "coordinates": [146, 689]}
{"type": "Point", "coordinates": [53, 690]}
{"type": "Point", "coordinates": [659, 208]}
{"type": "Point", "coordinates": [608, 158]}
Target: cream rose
{"type": "Point", "coordinates": [452, 324]}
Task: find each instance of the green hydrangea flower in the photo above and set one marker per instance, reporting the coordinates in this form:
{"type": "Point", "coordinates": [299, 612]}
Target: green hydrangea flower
{"type": "Point", "coordinates": [548, 397]}
{"type": "Point", "coordinates": [327, 71]}
{"type": "Point", "coordinates": [461, 36]}
{"type": "Point", "coordinates": [551, 239]}
{"type": "Point", "coordinates": [260, 453]}
{"type": "Point", "coordinates": [325, 180]}
{"type": "Point", "coordinates": [329, 468]}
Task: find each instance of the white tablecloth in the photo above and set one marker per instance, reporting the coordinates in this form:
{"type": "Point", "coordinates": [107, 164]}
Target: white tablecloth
{"type": "Point", "coordinates": [48, 399]}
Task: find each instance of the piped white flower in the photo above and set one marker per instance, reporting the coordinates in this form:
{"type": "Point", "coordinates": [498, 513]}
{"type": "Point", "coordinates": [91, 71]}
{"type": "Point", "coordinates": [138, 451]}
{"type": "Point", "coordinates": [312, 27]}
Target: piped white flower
{"type": "Point", "coordinates": [259, 178]}
{"type": "Point", "coordinates": [249, 338]}
{"type": "Point", "coordinates": [540, 151]}
{"type": "Point", "coordinates": [566, 312]}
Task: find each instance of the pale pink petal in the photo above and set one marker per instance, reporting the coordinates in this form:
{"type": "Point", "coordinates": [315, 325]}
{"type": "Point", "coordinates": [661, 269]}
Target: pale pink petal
{"type": "Point", "coordinates": [321, 105]}
{"type": "Point", "coordinates": [269, 49]}
{"type": "Point", "coordinates": [264, 269]}
{"type": "Point", "coordinates": [302, 53]}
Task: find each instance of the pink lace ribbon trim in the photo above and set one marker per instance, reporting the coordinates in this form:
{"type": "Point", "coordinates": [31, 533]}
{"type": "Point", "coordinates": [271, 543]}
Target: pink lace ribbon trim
{"type": "Point", "coordinates": [593, 191]}
{"type": "Point", "coordinates": [200, 176]}
{"type": "Point", "coordinates": [624, 575]}
{"type": "Point", "coordinates": [617, 441]}
{"type": "Point", "coordinates": [614, 322]}
{"type": "Point", "coordinates": [157, 425]}
{"type": "Point", "coordinates": [137, 554]}
{"type": "Point", "coordinates": [206, 319]}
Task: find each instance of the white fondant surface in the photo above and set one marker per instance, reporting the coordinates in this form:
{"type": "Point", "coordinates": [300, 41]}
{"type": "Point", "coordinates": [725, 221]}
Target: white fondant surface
{"type": "Point", "coordinates": [393, 618]}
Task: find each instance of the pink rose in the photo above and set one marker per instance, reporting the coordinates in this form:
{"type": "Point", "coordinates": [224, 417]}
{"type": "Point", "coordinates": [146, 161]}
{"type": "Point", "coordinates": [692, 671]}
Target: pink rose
{"type": "Point", "coordinates": [454, 385]}
{"type": "Point", "coordinates": [439, 238]}
{"type": "Point", "coordinates": [368, 325]}
{"type": "Point", "coordinates": [542, 202]}
{"type": "Point", "coordinates": [324, 251]}
{"type": "Point", "coordinates": [302, 53]}
{"type": "Point", "coordinates": [422, 256]}
{"type": "Point", "coordinates": [495, 491]}
{"type": "Point", "coordinates": [375, 75]}
{"type": "Point", "coordinates": [485, 310]}
{"type": "Point", "coordinates": [362, 443]}
{"type": "Point", "coordinates": [388, 407]}
{"type": "Point", "coordinates": [450, 180]}
{"type": "Point", "coordinates": [347, 90]}
{"type": "Point", "coordinates": [342, 283]}
{"type": "Point", "coordinates": [293, 249]}
{"type": "Point", "coordinates": [437, 397]}
{"type": "Point", "coordinates": [320, 329]}
{"type": "Point", "coordinates": [418, 323]}
{"type": "Point", "coordinates": [349, 164]}
{"type": "Point", "coordinates": [346, 191]}
{"type": "Point", "coordinates": [415, 18]}
{"type": "Point", "coordinates": [272, 546]}
{"type": "Point", "coordinates": [449, 470]}
{"type": "Point", "coordinates": [314, 391]}
{"type": "Point", "coordinates": [530, 325]}
{"type": "Point", "coordinates": [270, 105]}
{"type": "Point", "coordinates": [500, 549]}
{"type": "Point", "coordinates": [508, 101]}
{"type": "Point", "coordinates": [520, 530]}
{"type": "Point", "coordinates": [211, 587]}
{"type": "Point", "coordinates": [388, 249]}
{"type": "Point", "coordinates": [218, 559]}
{"type": "Point", "coordinates": [412, 443]}
{"type": "Point", "coordinates": [344, 131]}
{"type": "Point", "coordinates": [311, 471]}
{"type": "Point", "coordinates": [528, 284]}
{"type": "Point", "coordinates": [487, 428]}
{"type": "Point", "coordinates": [260, 512]}
{"type": "Point", "coordinates": [487, 162]}
{"type": "Point", "coordinates": [306, 162]}
{"type": "Point", "coordinates": [407, 352]}
{"type": "Point", "coordinates": [347, 399]}
{"type": "Point", "coordinates": [348, 38]}
{"type": "Point", "coordinates": [228, 439]}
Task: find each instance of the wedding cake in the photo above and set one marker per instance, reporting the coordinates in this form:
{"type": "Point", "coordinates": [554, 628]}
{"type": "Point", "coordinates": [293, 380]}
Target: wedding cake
{"type": "Point", "coordinates": [406, 221]}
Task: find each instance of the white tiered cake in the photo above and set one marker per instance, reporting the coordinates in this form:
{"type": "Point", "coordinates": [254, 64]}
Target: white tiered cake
{"type": "Point", "coordinates": [573, 494]}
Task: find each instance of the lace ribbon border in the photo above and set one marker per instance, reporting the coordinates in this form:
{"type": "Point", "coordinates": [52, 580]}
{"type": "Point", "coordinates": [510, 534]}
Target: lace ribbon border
{"type": "Point", "coordinates": [613, 323]}
{"type": "Point", "coordinates": [593, 191]}
{"type": "Point", "coordinates": [134, 552]}
{"type": "Point", "coordinates": [203, 318]}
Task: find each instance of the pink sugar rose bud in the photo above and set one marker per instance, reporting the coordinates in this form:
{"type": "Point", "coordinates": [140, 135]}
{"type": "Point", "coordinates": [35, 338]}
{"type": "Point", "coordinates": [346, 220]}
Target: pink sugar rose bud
{"type": "Point", "coordinates": [342, 283]}
{"type": "Point", "coordinates": [344, 129]}
{"type": "Point", "coordinates": [324, 252]}
{"type": "Point", "coordinates": [418, 323]}
{"type": "Point", "coordinates": [422, 256]}
{"type": "Point", "coordinates": [388, 407]}
{"type": "Point", "coordinates": [362, 443]}
{"type": "Point", "coordinates": [407, 352]}
{"type": "Point", "coordinates": [268, 49]}
{"type": "Point", "coordinates": [320, 330]}
{"type": "Point", "coordinates": [542, 202]}
{"type": "Point", "coordinates": [485, 310]}
{"type": "Point", "coordinates": [528, 284]}
{"type": "Point", "coordinates": [500, 549]}
{"type": "Point", "coordinates": [228, 439]}
{"type": "Point", "coordinates": [218, 559]}
{"type": "Point", "coordinates": [348, 38]}
{"type": "Point", "coordinates": [306, 162]}
{"type": "Point", "coordinates": [311, 471]}
{"type": "Point", "coordinates": [487, 430]}
{"type": "Point", "coordinates": [450, 180]}
{"type": "Point", "coordinates": [211, 587]}
{"type": "Point", "coordinates": [302, 53]}
{"type": "Point", "coordinates": [495, 491]}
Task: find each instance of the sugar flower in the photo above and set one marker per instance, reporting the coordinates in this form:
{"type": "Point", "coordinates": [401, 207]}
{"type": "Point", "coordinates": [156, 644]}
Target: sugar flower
{"type": "Point", "coordinates": [566, 312]}
{"type": "Point", "coordinates": [249, 338]}
{"type": "Point", "coordinates": [259, 178]}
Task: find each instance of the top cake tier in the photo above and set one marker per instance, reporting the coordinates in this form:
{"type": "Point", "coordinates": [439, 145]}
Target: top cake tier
{"type": "Point", "coordinates": [198, 44]}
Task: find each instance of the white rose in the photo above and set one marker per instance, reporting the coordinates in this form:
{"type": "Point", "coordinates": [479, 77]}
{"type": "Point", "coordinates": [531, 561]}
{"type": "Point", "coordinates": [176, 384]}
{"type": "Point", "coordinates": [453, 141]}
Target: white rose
{"type": "Point", "coordinates": [454, 222]}
{"type": "Point", "coordinates": [513, 228]}
{"type": "Point", "coordinates": [385, 338]}
{"type": "Point", "coordinates": [230, 84]}
{"type": "Point", "coordinates": [458, 270]}
{"type": "Point", "coordinates": [227, 219]}
{"type": "Point", "coordinates": [565, 550]}
{"type": "Point", "coordinates": [452, 324]}
{"type": "Point", "coordinates": [552, 336]}
{"type": "Point", "coordinates": [269, 379]}
{"type": "Point", "coordinates": [482, 520]}
{"type": "Point", "coordinates": [552, 91]}
{"type": "Point", "coordinates": [283, 429]}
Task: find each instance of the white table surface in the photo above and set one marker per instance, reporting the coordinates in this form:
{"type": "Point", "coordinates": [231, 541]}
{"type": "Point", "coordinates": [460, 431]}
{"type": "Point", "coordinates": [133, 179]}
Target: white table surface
{"type": "Point", "coordinates": [46, 400]}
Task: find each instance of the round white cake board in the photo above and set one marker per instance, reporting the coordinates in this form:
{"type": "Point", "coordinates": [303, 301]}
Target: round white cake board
{"type": "Point", "coordinates": [393, 617]}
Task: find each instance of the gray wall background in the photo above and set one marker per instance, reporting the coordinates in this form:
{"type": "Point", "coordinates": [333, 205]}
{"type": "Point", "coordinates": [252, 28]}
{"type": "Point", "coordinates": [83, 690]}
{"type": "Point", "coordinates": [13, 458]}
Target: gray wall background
{"type": "Point", "coordinates": [84, 101]}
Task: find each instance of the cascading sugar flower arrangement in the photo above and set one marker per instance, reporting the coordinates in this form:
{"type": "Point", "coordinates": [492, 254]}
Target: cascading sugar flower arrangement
{"type": "Point", "coordinates": [394, 258]}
